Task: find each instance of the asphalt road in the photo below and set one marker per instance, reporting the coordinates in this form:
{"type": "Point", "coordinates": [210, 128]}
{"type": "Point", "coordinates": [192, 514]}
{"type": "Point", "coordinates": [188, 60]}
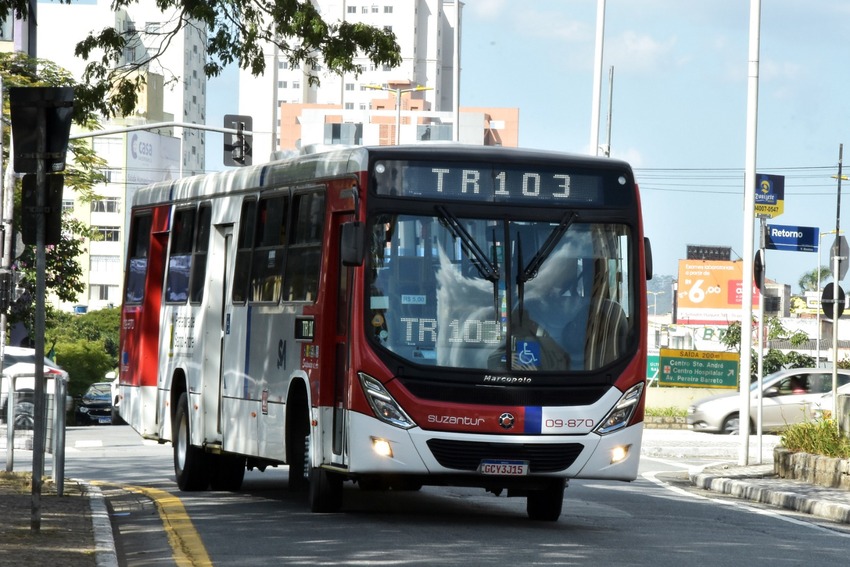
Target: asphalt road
{"type": "Point", "coordinates": [658, 520]}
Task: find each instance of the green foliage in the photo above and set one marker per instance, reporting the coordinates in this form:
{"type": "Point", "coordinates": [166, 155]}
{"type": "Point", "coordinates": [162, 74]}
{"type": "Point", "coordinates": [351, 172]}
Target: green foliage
{"type": "Point", "coordinates": [82, 173]}
{"type": "Point", "coordinates": [86, 363]}
{"type": "Point", "coordinates": [99, 327]}
{"type": "Point", "coordinates": [774, 360]}
{"type": "Point", "coordinates": [237, 31]}
{"type": "Point", "coordinates": [671, 411]}
{"type": "Point", "coordinates": [809, 280]}
{"type": "Point", "coordinates": [819, 437]}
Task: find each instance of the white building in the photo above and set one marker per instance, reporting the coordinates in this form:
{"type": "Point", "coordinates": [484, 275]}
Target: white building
{"type": "Point", "coordinates": [427, 32]}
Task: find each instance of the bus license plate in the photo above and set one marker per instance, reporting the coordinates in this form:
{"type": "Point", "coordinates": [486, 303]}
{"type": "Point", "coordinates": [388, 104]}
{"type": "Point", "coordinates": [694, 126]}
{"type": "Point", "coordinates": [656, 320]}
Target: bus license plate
{"type": "Point", "coordinates": [504, 468]}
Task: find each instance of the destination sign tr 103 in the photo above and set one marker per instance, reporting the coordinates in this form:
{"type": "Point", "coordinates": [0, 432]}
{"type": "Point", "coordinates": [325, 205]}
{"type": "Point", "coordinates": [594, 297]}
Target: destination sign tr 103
{"type": "Point", "coordinates": [531, 184]}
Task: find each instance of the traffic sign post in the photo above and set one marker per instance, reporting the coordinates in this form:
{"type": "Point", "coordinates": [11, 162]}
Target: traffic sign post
{"type": "Point", "coordinates": [703, 369]}
{"type": "Point", "coordinates": [832, 303]}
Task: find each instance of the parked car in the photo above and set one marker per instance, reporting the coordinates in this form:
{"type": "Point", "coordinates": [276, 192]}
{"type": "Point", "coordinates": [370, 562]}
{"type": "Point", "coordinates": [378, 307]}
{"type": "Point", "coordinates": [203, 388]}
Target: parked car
{"type": "Point", "coordinates": [787, 398]}
{"type": "Point", "coordinates": [116, 399]}
{"type": "Point", "coordinates": [20, 362]}
{"type": "Point", "coordinates": [95, 406]}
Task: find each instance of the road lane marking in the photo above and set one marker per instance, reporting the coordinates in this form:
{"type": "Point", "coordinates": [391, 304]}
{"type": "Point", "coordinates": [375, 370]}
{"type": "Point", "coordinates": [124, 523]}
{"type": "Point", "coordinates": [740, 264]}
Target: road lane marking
{"type": "Point", "coordinates": [187, 548]}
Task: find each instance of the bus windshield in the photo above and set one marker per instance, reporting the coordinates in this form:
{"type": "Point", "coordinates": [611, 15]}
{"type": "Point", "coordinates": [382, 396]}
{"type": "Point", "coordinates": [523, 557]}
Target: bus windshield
{"type": "Point", "coordinates": [501, 295]}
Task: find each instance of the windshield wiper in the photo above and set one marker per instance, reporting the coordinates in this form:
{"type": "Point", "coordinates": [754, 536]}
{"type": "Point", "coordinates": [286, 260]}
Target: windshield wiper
{"type": "Point", "coordinates": [487, 268]}
{"type": "Point", "coordinates": [530, 271]}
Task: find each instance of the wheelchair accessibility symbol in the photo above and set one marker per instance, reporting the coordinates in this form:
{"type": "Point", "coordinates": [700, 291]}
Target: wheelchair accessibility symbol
{"type": "Point", "coordinates": [528, 353]}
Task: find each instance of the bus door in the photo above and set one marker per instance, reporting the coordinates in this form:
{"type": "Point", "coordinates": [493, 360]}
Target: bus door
{"type": "Point", "coordinates": [217, 318]}
{"type": "Point", "coordinates": [342, 341]}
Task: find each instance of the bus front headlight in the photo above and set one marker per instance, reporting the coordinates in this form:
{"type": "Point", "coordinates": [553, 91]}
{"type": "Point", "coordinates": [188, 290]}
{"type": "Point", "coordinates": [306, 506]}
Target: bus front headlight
{"type": "Point", "coordinates": [622, 412]}
{"type": "Point", "coordinates": [382, 403]}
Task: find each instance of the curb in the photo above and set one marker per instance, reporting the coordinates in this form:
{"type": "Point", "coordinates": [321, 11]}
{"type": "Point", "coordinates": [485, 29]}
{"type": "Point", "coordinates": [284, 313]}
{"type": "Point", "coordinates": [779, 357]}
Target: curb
{"type": "Point", "coordinates": [745, 487]}
{"type": "Point", "coordinates": [104, 541]}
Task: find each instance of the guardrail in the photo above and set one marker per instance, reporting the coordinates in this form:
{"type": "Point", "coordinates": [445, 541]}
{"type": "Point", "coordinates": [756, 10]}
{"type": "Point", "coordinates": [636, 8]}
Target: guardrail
{"type": "Point", "coordinates": [54, 423]}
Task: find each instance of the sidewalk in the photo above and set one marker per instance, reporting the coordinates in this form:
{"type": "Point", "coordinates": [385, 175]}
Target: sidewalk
{"type": "Point", "coordinates": [756, 482]}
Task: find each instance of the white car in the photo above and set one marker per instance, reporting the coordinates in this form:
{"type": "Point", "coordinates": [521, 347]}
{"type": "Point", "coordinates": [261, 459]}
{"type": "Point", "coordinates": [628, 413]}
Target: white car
{"type": "Point", "coordinates": [788, 398]}
{"type": "Point", "coordinates": [20, 362]}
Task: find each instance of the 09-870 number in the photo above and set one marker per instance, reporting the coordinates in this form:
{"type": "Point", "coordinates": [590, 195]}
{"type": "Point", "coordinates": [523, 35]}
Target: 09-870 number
{"type": "Point", "coordinates": [568, 423]}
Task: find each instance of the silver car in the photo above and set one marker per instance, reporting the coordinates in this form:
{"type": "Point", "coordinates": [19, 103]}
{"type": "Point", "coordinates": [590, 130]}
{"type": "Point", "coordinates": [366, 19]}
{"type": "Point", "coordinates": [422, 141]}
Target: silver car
{"type": "Point", "coordinates": [788, 398]}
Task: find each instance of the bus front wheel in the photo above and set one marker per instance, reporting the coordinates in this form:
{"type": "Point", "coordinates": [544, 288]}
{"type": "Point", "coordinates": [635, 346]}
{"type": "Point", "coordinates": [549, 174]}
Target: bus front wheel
{"type": "Point", "coordinates": [189, 462]}
{"type": "Point", "coordinates": [545, 504]}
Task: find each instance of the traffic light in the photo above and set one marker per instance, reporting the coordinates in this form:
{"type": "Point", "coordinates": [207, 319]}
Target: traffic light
{"type": "Point", "coordinates": [238, 146]}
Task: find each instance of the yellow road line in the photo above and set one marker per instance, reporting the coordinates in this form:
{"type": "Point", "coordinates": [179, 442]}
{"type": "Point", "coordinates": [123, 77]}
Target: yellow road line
{"type": "Point", "coordinates": [186, 545]}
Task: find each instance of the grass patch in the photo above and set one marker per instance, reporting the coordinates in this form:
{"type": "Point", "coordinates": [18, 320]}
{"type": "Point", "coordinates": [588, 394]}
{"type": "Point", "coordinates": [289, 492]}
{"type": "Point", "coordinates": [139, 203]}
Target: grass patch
{"type": "Point", "coordinates": [671, 411]}
{"type": "Point", "coordinates": [820, 437]}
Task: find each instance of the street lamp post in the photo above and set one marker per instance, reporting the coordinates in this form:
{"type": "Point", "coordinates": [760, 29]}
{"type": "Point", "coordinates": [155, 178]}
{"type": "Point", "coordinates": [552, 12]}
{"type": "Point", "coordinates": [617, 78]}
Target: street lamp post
{"type": "Point", "coordinates": [655, 295]}
{"type": "Point", "coordinates": [398, 92]}
{"type": "Point", "coordinates": [817, 314]}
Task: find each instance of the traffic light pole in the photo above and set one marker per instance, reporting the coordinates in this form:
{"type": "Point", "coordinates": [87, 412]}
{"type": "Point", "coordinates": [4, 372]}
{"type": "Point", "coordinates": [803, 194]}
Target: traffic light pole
{"type": "Point", "coordinates": [836, 277]}
{"type": "Point", "coordinates": [39, 437]}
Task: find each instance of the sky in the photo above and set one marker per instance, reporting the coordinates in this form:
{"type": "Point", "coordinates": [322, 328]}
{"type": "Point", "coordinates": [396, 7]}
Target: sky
{"type": "Point", "coordinates": [679, 105]}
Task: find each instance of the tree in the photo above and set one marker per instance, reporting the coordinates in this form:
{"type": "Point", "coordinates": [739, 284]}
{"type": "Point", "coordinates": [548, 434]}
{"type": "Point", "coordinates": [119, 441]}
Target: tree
{"type": "Point", "coordinates": [237, 32]}
{"type": "Point", "coordinates": [63, 275]}
{"type": "Point", "coordinates": [82, 173]}
{"type": "Point", "coordinates": [774, 359]}
{"type": "Point", "coordinates": [809, 280]}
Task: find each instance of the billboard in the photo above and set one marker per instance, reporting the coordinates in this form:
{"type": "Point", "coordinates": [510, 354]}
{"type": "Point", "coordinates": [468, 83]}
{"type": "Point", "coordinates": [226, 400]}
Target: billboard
{"type": "Point", "coordinates": [711, 292]}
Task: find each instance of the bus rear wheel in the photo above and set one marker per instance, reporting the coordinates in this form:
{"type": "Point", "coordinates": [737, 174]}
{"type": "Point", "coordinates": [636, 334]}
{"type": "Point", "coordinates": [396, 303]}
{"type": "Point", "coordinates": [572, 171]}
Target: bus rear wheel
{"type": "Point", "coordinates": [189, 462]}
{"type": "Point", "coordinates": [545, 504]}
{"type": "Point", "coordinates": [226, 472]}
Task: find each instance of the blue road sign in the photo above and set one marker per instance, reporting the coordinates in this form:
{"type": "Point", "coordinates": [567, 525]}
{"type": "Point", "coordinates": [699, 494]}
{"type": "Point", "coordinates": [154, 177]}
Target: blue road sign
{"type": "Point", "coordinates": [793, 238]}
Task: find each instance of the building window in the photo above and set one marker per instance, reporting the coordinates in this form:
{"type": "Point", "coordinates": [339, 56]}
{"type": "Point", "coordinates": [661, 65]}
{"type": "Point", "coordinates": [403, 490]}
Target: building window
{"type": "Point", "coordinates": [103, 293]}
{"type": "Point", "coordinates": [374, 9]}
{"type": "Point", "coordinates": [362, 106]}
{"type": "Point", "coordinates": [388, 9]}
{"type": "Point", "coordinates": [349, 86]}
{"type": "Point", "coordinates": [104, 264]}
{"type": "Point", "coordinates": [296, 84]}
{"type": "Point", "coordinates": [67, 205]}
{"type": "Point", "coordinates": [388, 28]}
{"type": "Point", "coordinates": [352, 9]}
{"type": "Point", "coordinates": [281, 84]}
{"type": "Point", "coordinates": [109, 233]}
{"type": "Point", "coordinates": [349, 106]}
{"type": "Point", "coordinates": [106, 205]}
{"type": "Point", "coordinates": [283, 64]}
{"type": "Point", "coordinates": [365, 10]}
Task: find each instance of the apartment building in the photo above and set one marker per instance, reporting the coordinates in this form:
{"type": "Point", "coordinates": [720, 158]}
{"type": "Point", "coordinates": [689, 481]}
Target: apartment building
{"type": "Point", "coordinates": [416, 101]}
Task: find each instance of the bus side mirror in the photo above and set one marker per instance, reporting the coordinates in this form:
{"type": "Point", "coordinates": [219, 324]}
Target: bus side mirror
{"type": "Point", "coordinates": [351, 243]}
{"type": "Point", "coordinates": [647, 256]}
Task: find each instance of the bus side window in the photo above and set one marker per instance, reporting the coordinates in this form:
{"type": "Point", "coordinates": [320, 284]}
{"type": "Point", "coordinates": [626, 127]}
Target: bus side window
{"type": "Point", "coordinates": [269, 241]}
{"type": "Point", "coordinates": [180, 256]}
{"type": "Point", "coordinates": [242, 270]}
{"type": "Point", "coordinates": [140, 235]}
{"type": "Point", "coordinates": [199, 256]}
{"type": "Point", "coordinates": [304, 256]}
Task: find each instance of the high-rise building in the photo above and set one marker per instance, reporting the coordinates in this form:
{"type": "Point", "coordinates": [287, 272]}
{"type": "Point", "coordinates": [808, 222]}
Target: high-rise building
{"type": "Point", "coordinates": [419, 100]}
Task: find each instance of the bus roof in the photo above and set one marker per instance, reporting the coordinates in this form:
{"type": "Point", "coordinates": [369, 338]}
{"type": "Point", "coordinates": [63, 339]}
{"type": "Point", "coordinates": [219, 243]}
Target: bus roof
{"type": "Point", "coordinates": [340, 161]}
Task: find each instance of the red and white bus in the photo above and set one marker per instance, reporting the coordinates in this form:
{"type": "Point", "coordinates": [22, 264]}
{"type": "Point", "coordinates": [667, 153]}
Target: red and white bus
{"type": "Point", "coordinates": [393, 317]}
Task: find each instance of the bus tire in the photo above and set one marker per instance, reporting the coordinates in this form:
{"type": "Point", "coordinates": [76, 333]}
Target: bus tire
{"type": "Point", "coordinates": [189, 462]}
{"type": "Point", "coordinates": [545, 505]}
{"type": "Point", "coordinates": [226, 472]}
{"type": "Point", "coordinates": [298, 446]}
{"type": "Point", "coordinates": [325, 491]}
